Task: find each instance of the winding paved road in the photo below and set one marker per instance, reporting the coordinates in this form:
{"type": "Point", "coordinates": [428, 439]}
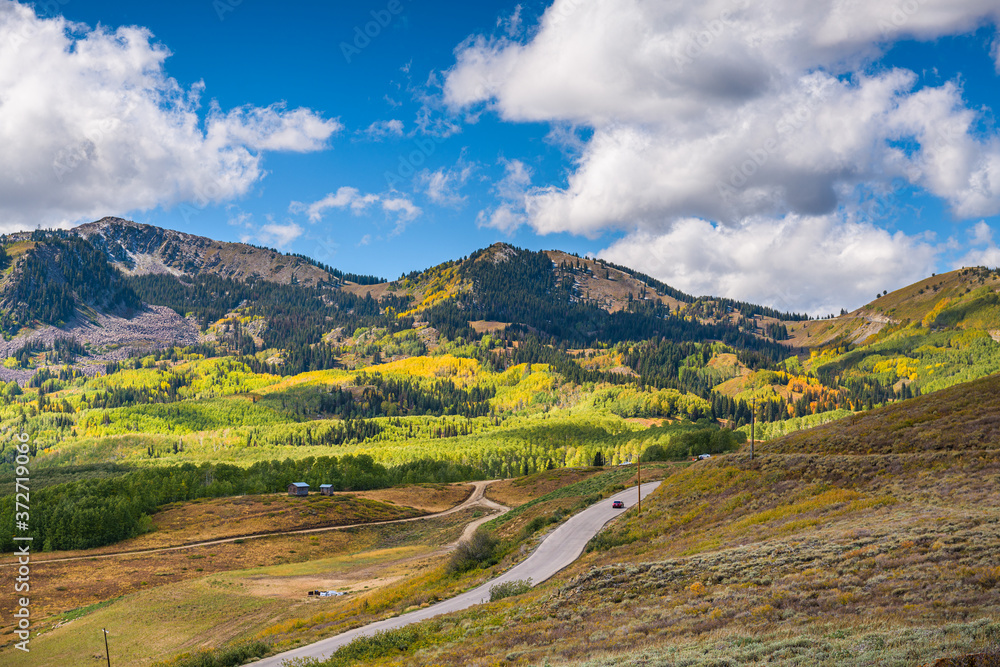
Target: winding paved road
{"type": "Point", "coordinates": [563, 546]}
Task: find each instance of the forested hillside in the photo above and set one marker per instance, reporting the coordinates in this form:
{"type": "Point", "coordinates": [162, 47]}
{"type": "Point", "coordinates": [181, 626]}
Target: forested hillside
{"type": "Point", "coordinates": [521, 287]}
{"type": "Point", "coordinates": [502, 363]}
{"type": "Point", "coordinates": [150, 378]}
{"type": "Point", "coordinates": [54, 277]}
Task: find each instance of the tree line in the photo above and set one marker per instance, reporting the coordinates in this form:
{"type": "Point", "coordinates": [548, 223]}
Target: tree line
{"type": "Point", "coordinates": [96, 512]}
{"type": "Point", "coordinates": [695, 443]}
{"type": "Point", "coordinates": [855, 394]}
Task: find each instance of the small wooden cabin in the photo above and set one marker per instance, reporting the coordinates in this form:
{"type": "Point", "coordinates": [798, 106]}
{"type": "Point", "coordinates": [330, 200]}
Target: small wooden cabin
{"type": "Point", "coordinates": [298, 489]}
{"type": "Point", "coordinates": [326, 489]}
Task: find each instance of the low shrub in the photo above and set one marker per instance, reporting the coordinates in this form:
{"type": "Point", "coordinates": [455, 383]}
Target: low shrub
{"type": "Point", "coordinates": [479, 551]}
{"type": "Point", "coordinates": [509, 589]}
{"type": "Point", "coordinates": [231, 656]}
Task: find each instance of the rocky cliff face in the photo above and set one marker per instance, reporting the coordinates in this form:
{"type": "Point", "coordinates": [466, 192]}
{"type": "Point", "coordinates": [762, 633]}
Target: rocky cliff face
{"type": "Point", "coordinates": [140, 249]}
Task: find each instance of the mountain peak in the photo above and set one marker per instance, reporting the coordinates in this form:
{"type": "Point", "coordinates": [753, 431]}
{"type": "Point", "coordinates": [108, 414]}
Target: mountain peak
{"type": "Point", "coordinates": [500, 252]}
{"type": "Point", "coordinates": [138, 248]}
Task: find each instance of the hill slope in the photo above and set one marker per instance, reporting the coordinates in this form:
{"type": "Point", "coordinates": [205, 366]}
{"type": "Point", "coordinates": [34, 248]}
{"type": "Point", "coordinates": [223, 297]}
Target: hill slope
{"type": "Point", "coordinates": [584, 280]}
{"type": "Point", "coordinates": [957, 299]}
{"type": "Point", "coordinates": [105, 285]}
{"type": "Point", "coordinates": [962, 418]}
{"type": "Point", "coordinates": [299, 316]}
{"type": "Point", "coordinates": [809, 554]}
{"type": "Point", "coordinates": [49, 281]}
{"type": "Point", "coordinates": [139, 249]}
{"type": "Point", "coordinates": [566, 299]}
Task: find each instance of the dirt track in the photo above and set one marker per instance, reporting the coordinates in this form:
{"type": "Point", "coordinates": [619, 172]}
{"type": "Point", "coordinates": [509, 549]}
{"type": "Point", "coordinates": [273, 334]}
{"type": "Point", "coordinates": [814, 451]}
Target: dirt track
{"type": "Point", "coordinates": [475, 499]}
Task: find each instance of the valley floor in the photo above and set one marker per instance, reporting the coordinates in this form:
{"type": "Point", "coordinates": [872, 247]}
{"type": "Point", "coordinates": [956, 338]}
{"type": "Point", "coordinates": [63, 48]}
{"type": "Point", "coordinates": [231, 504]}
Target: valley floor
{"type": "Point", "coordinates": [789, 559]}
{"type": "Point", "coordinates": [205, 594]}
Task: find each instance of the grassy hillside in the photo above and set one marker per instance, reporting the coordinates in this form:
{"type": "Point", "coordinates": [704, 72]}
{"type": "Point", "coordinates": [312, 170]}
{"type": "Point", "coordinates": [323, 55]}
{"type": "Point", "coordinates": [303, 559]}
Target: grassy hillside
{"type": "Point", "coordinates": [912, 304]}
{"type": "Point", "coordinates": [256, 589]}
{"type": "Point", "coordinates": [156, 607]}
{"type": "Point", "coordinates": [874, 540]}
{"type": "Point", "coordinates": [928, 336]}
{"type": "Point", "coordinates": [963, 418]}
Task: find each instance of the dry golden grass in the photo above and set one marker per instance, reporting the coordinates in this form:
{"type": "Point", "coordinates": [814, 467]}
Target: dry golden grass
{"type": "Point", "coordinates": [219, 518]}
{"type": "Point", "coordinates": [424, 497]}
{"type": "Point", "coordinates": [61, 585]}
{"type": "Point", "coordinates": [519, 490]}
{"type": "Point", "coordinates": [487, 326]}
{"type": "Point", "coordinates": [378, 291]}
{"type": "Point", "coordinates": [205, 597]}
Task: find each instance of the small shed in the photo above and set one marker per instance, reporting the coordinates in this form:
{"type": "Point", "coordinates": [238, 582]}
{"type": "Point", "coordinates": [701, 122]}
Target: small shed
{"type": "Point", "coordinates": [326, 489]}
{"type": "Point", "coordinates": [298, 489]}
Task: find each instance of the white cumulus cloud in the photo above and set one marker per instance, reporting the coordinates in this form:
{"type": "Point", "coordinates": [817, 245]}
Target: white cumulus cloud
{"type": "Point", "coordinates": [818, 264]}
{"type": "Point", "coordinates": [984, 250]}
{"type": "Point", "coordinates": [384, 129]}
{"type": "Point", "coordinates": [279, 235]}
{"type": "Point", "coordinates": [358, 203]}
{"type": "Point", "coordinates": [758, 98]}
{"type": "Point", "coordinates": [91, 124]}
{"type": "Point", "coordinates": [442, 186]}
{"type": "Point", "coordinates": [511, 190]}
{"type": "Point", "coordinates": [754, 115]}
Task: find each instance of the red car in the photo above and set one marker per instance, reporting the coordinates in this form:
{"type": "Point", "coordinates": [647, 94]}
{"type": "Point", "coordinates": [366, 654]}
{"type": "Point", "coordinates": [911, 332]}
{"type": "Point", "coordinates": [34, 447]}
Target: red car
{"type": "Point", "coordinates": [618, 504]}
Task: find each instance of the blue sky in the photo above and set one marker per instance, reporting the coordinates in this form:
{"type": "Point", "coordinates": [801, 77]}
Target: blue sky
{"type": "Point", "coordinates": [807, 164]}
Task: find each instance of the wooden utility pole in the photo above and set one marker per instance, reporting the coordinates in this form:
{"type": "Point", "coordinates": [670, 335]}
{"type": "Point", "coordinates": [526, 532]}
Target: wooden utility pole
{"type": "Point", "coordinates": [107, 651]}
{"type": "Point", "coordinates": [638, 472]}
{"type": "Point", "coordinates": [753, 414]}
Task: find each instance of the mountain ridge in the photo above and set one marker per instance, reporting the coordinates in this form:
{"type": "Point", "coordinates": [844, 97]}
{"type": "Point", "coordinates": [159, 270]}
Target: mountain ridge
{"type": "Point", "coordinates": [138, 249]}
{"type": "Point", "coordinates": [498, 295]}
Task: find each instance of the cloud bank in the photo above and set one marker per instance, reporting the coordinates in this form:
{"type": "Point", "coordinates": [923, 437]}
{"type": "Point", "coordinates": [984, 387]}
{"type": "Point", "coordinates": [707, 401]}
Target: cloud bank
{"type": "Point", "coordinates": [758, 116]}
{"type": "Point", "coordinates": [91, 124]}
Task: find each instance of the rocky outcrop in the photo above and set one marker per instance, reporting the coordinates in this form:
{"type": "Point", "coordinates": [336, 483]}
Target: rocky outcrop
{"type": "Point", "coordinates": [136, 248]}
{"type": "Point", "coordinates": [108, 337]}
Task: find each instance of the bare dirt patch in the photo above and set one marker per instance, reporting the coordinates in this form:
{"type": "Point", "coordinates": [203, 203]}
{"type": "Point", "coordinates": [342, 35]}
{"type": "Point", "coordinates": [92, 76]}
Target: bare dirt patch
{"type": "Point", "coordinates": [378, 291]}
{"type": "Point", "coordinates": [484, 326]}
{"type": "Point", "coordinates": [347, 574]}
{"type": "Point", "coordinates": [424, 497]}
